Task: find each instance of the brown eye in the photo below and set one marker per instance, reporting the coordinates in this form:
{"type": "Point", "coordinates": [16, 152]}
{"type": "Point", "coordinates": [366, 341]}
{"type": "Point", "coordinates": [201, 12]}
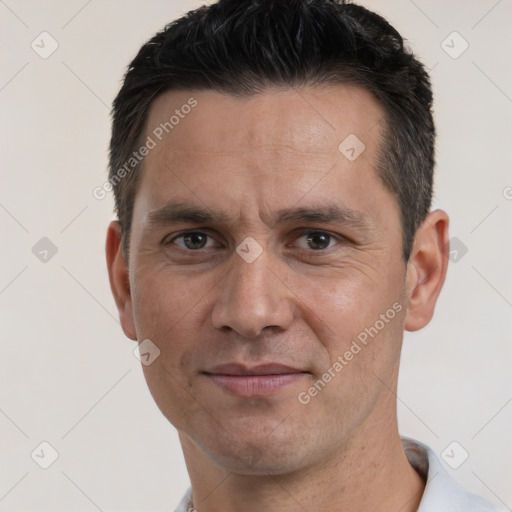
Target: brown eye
{"type": "Point", "coordinates": [192, 240]}
{"type": "Point", "coordinates": [315, 240]}
{"type": "Point", "coordinates": [318, 240]}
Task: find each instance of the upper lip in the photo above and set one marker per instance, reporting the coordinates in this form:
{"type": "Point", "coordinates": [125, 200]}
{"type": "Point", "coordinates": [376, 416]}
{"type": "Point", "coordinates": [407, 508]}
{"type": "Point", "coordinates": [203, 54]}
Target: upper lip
{"type": "Point", "coordinates": [261, 369]}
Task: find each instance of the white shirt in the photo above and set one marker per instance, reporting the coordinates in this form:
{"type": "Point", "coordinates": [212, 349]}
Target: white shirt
{"type": "Point", "coordinates": [441, 494]}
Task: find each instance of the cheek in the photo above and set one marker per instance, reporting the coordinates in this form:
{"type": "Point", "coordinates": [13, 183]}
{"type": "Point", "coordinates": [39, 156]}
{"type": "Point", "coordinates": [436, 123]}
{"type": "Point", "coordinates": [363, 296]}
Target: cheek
{"type": "Point", "coordinates": [162, 300]}
{"type": "Point", "coordinates": [359, 322]}
{"type": "Point", "coordinates": [344, 305]}
{"type": "Point", "coordinates": [168, 310]}
{"type": "Point", "coordinates": [171, 311]}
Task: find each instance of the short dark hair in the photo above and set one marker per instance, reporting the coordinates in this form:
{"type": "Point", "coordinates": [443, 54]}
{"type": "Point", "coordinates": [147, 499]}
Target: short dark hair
{"type": "Point", "coordinates": [241, 47]}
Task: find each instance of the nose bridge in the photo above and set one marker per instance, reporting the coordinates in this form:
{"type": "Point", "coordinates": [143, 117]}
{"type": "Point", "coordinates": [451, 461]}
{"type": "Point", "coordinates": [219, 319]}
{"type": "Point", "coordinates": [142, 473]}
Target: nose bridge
{"type": "Point", "coordinates": [252, 298]}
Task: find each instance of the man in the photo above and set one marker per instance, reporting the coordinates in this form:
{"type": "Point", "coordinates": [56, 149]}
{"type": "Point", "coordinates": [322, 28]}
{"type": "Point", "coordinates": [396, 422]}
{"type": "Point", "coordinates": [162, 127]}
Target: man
{"type": "Point", "coordinates": [272, 164]}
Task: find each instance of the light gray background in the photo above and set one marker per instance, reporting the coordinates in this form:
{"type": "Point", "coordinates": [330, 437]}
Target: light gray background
{"type": "Point", "coordinates": [69, 376]}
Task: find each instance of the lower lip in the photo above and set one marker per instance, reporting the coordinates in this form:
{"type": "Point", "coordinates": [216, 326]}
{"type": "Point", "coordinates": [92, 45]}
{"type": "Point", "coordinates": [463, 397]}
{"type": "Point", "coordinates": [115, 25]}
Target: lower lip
{"type": "Point", "coordinates": [255, 385]}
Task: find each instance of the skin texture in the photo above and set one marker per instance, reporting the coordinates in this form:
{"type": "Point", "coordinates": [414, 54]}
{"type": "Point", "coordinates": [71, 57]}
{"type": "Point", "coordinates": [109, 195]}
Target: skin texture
{"type": "Point", "coordinates": [250, 158]}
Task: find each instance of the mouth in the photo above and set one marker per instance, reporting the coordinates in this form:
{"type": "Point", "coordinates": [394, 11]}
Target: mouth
{"type": "Point", "coordinates": [261, 380]}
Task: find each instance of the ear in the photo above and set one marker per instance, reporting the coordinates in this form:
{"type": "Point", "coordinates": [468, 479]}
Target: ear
{"type": "Point", "coordinates": [426, 269]}
{"type": "Point", "coordinates": [119, 279]}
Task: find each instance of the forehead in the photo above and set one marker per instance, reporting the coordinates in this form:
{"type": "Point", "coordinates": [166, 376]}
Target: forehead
{"type": "Point", "coordinates": [308, 120]}
{"type": "Point", "coordinates": [272, 147]}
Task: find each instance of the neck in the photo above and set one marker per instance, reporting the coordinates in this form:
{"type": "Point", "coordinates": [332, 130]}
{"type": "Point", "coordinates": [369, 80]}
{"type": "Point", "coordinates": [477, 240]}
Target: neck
{"type": "Point", "coordinates": [369, 472]}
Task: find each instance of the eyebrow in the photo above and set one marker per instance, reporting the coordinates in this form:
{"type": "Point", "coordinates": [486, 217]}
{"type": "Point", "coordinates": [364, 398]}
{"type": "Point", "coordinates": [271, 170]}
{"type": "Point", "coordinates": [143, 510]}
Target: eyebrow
{"type": "Point", "coordinates": [176, 212]}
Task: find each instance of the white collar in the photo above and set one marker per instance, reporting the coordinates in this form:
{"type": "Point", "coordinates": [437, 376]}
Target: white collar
{"type": "Point", "coordinates": [442, 492]}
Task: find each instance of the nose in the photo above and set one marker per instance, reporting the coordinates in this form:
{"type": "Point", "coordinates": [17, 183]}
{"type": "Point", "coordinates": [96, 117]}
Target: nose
{"type": "Point", "coordinates": [253, 298]}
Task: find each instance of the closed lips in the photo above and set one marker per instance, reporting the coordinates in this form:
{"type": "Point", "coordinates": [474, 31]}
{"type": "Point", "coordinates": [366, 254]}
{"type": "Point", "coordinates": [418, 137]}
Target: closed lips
{"type": "Point", "coordinates": [238, 370]}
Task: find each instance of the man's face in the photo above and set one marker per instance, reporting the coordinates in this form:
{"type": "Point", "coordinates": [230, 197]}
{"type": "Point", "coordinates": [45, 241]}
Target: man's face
{"type": "Point", "coordinates": [319, 260]}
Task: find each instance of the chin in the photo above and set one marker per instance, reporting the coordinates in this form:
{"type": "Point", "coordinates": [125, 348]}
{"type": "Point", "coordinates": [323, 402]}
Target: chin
{"type": "Point", "coordinates": [256, 454]}
{"type": "Point", "coordinates": [254, 460]}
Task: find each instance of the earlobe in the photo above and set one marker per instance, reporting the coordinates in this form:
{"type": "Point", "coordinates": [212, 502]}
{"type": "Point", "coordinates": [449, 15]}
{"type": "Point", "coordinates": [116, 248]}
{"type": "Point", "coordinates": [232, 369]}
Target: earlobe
{"type": "Point", "coordinates": [426, 269]}
{"type": "Point", "coordinates": [119, 279]}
